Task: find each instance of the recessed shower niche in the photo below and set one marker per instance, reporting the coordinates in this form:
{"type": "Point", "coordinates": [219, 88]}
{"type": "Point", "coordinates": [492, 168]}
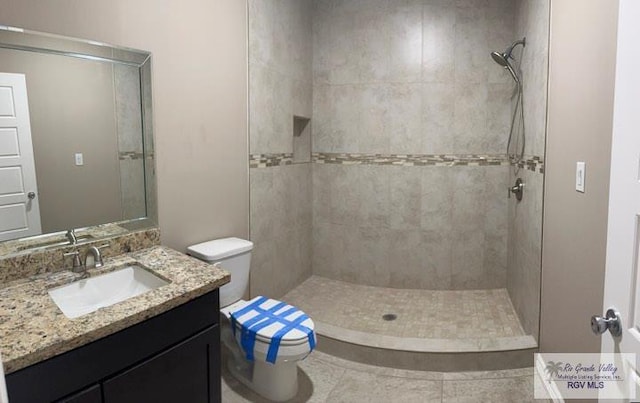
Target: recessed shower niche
{"type": "Point", "coordinates": [403, 206]}
{"type": "Point", "coordinates": [301, 139]}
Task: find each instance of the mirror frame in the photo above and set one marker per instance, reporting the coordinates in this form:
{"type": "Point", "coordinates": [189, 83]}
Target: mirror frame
{"type": "Point", "coordinates": [39, 42]}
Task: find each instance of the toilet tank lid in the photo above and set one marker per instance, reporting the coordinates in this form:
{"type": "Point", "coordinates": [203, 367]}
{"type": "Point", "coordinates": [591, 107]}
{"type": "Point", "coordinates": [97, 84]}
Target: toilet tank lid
{"type": "Point", "coordinates": [220, 248]}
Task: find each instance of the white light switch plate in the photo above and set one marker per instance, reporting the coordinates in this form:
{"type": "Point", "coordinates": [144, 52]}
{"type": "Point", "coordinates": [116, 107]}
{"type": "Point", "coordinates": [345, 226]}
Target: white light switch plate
{"type": "Point", "coordinates": [581, 170]}
{"type": "Point", "coordinates": [79, 160]}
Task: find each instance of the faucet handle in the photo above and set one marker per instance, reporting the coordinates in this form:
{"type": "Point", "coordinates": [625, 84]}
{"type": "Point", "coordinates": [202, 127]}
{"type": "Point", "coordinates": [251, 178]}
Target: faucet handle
{"type": "Point", "coordinates": [76, 258]}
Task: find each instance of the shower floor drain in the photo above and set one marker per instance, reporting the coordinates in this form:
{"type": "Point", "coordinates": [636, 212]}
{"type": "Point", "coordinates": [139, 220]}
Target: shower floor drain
{"type": "Point", "coordinates": [389, 316]}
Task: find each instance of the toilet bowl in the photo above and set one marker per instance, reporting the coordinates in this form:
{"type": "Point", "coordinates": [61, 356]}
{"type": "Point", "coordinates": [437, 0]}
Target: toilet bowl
{"type": "Point", "coordinates": [273, 376]}
{"type": "Point", "coordinates": [266, 337]}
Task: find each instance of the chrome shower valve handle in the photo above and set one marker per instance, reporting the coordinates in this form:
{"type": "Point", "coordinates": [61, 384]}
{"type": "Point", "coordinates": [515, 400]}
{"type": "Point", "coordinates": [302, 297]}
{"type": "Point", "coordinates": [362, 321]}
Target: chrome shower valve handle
{"type": "Point", "coordinates": [517, 190]}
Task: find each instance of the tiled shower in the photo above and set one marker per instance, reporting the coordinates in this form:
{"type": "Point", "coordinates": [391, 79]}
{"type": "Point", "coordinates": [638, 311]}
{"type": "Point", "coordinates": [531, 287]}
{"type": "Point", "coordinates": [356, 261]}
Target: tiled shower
{"type": "Point", "coordinates": [400, 178]}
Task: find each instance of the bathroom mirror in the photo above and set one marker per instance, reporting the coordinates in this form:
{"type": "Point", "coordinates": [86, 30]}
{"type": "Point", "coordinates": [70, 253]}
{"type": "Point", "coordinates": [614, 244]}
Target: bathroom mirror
{"type": "Point", "coordinates": [76, 140]}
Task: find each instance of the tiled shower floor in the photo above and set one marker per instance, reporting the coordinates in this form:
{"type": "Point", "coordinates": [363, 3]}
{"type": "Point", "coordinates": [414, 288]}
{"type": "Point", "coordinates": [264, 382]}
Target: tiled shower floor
{"type": "Point", "coordinates": [427, 314]}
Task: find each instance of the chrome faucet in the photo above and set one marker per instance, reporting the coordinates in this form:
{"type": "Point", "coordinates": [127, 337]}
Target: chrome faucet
{"type": "Point", "coordinates": [93, 257]}
{"type": "Point", "coordinates": [71, 236]}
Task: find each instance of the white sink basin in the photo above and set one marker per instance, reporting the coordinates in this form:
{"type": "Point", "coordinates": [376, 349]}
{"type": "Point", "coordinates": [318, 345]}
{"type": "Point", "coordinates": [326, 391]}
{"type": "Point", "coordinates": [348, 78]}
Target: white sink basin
{"type": "Point", "coordinates": [90, 294]}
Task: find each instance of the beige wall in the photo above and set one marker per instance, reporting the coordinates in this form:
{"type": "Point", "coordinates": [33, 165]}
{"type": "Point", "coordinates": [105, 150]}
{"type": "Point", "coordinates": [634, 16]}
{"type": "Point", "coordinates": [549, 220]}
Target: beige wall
{"type": "Point", "coordinates": [70, 101]}
{"type": "Point", "coordinates": [581, 83]}
{"type": "Point", "coordinates": [200, 102]}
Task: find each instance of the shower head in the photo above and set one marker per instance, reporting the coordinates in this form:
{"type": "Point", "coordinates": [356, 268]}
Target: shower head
{"type": "Point", "coordinates": [503, 58]}
{"type": "Point", "coordinates": [500, 58]}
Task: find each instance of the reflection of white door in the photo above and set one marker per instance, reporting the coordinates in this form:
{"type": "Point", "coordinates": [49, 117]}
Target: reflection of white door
{"type": "Point", "coordinates": [622, 280]}
{"type": "Point", "coordinates": [19, 209]}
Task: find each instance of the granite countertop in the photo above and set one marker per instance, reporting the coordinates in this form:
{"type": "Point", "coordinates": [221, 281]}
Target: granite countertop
{"type": "Point", "coordinates": [32, 327]}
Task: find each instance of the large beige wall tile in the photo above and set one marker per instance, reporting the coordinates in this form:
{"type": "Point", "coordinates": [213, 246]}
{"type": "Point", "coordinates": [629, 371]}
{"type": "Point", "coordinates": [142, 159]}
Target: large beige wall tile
{"type": "Point", "coordinates": [435, 227]}
{"type": "Point", "coordinates": [322, 258]}
{"type": "Point", "coordinates": [405, 203]}
{"type": "Point", "coordinates": [438, 116]}
{"type": "Point", "coordinates": [439, 38]}
{"type": "Point", "coordinates": [470, 120]}
{"type": "Point", "coordinates": [533, 22]}
{"type": "Point", "coordinates": [261, 32]}
{"type": "Point", "coordinates": [471, 63]}
{"type": "Point", "coordinates": [344, 200]}
{"type": "Point", "coordinates": [262, 82]}
{"type": "Point", "coordinates": [280, 74]}
{"type": "Point", "coordinates": [262, 278]}
{"type": "Point", "coordinates": [372, 193]}
{"type": "Point", "coordinates": [525, 222]}
{"type": "Point", "coordinates": [437, 199]}
{"type": "Point", "coordinates": [403, 120]}
{"type": "Point", "coordinates": [281, 223]}
{"type": "Point", "coordinates": [525, 238]}
{"type": "Point", "coordinates": [361, 54]}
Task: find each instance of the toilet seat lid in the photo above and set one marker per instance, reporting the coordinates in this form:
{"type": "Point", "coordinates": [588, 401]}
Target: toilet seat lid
{"type": "Point", "coordinates": [264, 317]}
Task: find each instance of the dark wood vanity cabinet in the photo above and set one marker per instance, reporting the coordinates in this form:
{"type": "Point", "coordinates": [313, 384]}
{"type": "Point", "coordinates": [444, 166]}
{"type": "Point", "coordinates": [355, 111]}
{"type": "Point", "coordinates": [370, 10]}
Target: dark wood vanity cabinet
{"type": "Point", "coordinates": [172, 357]}
{"type": "Point", "coordinates": [180, 374]}
{"type": "Point", "coordinates": [92, 394]}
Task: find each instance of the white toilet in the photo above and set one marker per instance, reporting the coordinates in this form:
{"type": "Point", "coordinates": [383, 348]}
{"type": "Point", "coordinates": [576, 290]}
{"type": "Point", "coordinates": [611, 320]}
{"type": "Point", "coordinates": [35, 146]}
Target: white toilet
{"type": "Point", "coordinates": [267, 337]}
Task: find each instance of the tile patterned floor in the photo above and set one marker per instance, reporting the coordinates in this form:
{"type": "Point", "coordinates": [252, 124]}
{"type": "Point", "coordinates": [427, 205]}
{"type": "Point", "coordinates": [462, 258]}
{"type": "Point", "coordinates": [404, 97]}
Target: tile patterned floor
{"type": "Point", "coordinates": [324, 378]}
{"type": "Point", "coordinates": [420, 313]}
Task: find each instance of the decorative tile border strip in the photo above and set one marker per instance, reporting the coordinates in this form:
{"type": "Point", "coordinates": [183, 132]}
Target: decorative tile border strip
{"type": "Point", "coordinates": [410, 159]}
{"type": "Point", "coordinates": [133, 155]}
{"type": "Point", "coordinates": [270, 160]}
{"type": "Point", "coordinates": [532, 163]}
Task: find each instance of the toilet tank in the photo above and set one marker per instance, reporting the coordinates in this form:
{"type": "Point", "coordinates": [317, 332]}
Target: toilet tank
{"type": "Point", "coordinates": [234, 256]}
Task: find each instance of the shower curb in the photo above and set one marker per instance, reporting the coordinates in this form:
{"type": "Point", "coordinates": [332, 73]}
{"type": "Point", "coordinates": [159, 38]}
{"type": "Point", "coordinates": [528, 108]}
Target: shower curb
{"type": "Point", "coordinates": [442, 355]}
{"type": "Point", "coordinates": [426, 345]}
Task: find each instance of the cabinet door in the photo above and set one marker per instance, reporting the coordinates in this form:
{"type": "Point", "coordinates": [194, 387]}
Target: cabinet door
{"type": "Point", "coordinates": [89, 395]}
{"type": "Point", "coordinates": [187, 373]}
